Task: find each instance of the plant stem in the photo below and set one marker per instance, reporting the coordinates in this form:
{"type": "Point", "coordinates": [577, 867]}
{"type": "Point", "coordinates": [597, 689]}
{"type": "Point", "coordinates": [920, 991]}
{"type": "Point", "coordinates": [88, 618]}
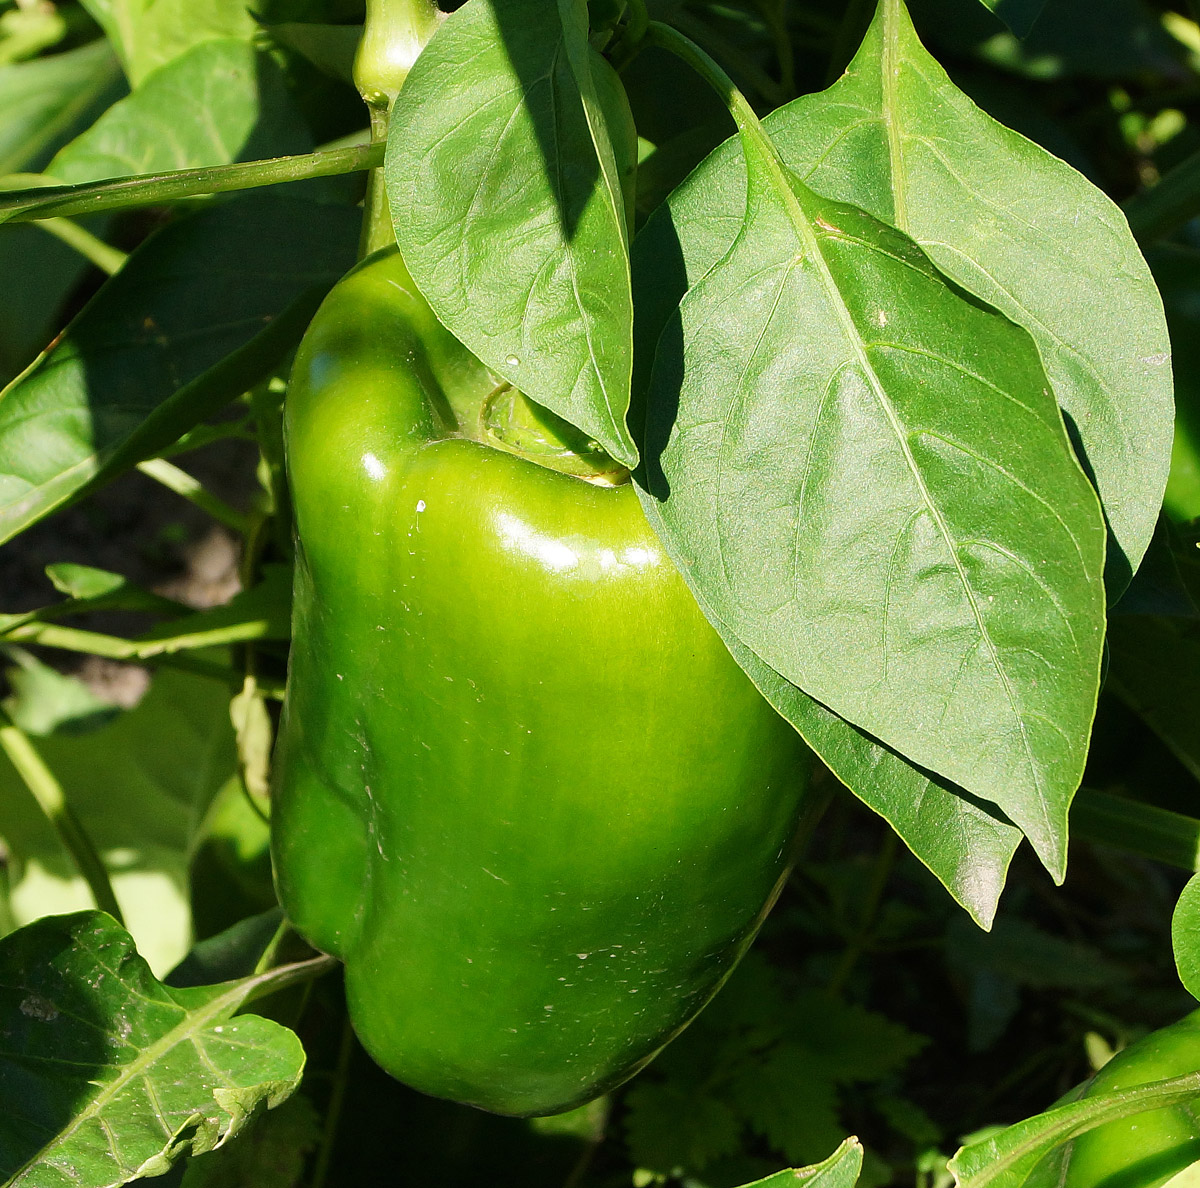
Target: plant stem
{"type": "Point", "coordinates": [337, 1099]}
{"type": "Point", "coordinates": [740, 63]}
{"type": "Point", "coordinates": [115, 647]}
{"type": "Point", "coordinates": [665, 37]}
{"type": "Point", "coordinates": [194, 492]}
{"type": "Point", "coordinates": [1136, 828]}
{"type": "Point", "coordinates": [157, 189]}
{"type": "Point", "coordinates": [858, 943]}
{"type": "Point", "coordinates": [395, 33]}
{"type": "Point", "coordinates": [108, 259]}
{"type": "Point", "coordinates": [51, 799]}
{"type": "Point", "coordinates": [1165, 207]}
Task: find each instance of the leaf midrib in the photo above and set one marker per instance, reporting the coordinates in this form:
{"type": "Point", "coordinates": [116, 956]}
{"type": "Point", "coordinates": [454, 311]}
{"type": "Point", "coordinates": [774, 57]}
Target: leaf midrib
{"type": "Point", "coordinates": [193, 1020]}
{"type": "Point", "coordinates": [771, 162]}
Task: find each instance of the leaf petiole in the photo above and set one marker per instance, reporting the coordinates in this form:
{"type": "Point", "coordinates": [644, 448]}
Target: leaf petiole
{"type": "Point", "coordinates": [51, 799]}
{"type": "Point", "coordinates": [158, 189]}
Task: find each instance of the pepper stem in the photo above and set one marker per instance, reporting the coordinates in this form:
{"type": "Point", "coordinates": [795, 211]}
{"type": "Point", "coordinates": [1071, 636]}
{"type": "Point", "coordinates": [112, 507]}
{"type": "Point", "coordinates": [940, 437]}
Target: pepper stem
{"type": "Point", "coordinates": [394, 34]}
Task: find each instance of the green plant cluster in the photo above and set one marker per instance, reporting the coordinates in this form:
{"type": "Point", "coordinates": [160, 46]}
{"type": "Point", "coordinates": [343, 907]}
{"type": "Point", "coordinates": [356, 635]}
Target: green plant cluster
{"type": "Point", "coordinates": [871, 313]}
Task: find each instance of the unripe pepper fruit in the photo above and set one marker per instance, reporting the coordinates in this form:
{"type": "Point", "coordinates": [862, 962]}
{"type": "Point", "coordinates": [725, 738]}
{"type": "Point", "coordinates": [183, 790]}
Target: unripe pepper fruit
{"type": "Point", "coordinates": [522, 790]}
{"type": "Point", "coordinates": [1148, 1149]}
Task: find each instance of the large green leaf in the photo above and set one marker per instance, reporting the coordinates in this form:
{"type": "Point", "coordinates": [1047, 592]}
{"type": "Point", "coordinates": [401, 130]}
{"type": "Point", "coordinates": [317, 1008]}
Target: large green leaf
{"type": "Point", "coordinates": [963, 843]}
{"type": "Point", "coordinates": [966, 846]}
{"type": "Point", "coordinates": [107, 1075]}
{"type": "Point", "coordinates": [43, 104]}
{"type": "Point", "coordinates": [147, 34]}
{"type": "Point", "coordinates": [507, 204]}
{"type": "Point", "coordinates": [47, 100]}
{"type": "Point", "coordinates": [999, 216]}
{"type": "Point", "coordinates": [204, 309]}
{"type": "Point", "coordinates": [219, 102]}
{"type": "Point", "coordinates": [139, 783]}
{"type": "Point", "coordinates": [863, 472]}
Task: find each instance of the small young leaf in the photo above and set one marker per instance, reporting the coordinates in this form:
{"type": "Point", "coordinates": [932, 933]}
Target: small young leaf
{"type": "Point", "coordinates": [507, 204]}
{"type": "Point", "coordinates": [1185, 936]}
{"type": "Point", "coordinates": [840, 1170]}
{"type": "Point", "coordinates": [108, 1075]}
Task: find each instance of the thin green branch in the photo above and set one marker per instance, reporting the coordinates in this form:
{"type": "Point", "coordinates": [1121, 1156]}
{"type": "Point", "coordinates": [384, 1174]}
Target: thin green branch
{"type": "Point", "coordinates": [1165, 207]}
{"type": "Point", "coordinates": [1137, 828]}
{"type": "Point", "coordinates": [91, 247]}
{"type": "Point", "coordinates": [51, 799]}
{"type": "Point", "coordinates": [115, 647]}
{"type": "Point", "coordinates": [194, 491]}
{"type": "Point", "coordinates": [337, 1099]}
{"type": "Point", "coordinates": [203, 435]}
{"type": "Point", "coordinates": [157, 189]}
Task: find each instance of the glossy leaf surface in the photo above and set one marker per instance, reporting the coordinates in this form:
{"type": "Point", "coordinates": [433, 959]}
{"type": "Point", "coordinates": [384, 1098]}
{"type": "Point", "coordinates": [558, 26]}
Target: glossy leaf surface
{"type": "Point", "coordinates": [507, 204]}
{"type": "Point", "coordinates": [864, 474]}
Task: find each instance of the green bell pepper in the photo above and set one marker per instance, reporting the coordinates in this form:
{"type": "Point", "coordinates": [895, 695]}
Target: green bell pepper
{"type": "Point", "coordinates": [1142, 1150]}
{"type": "Point", "coordinates": [522, 789]}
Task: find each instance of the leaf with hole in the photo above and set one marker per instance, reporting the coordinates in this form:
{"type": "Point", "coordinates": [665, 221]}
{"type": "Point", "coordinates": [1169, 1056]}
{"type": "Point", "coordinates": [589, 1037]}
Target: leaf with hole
{"type": "Point", "coordinates": [108, 1075]}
